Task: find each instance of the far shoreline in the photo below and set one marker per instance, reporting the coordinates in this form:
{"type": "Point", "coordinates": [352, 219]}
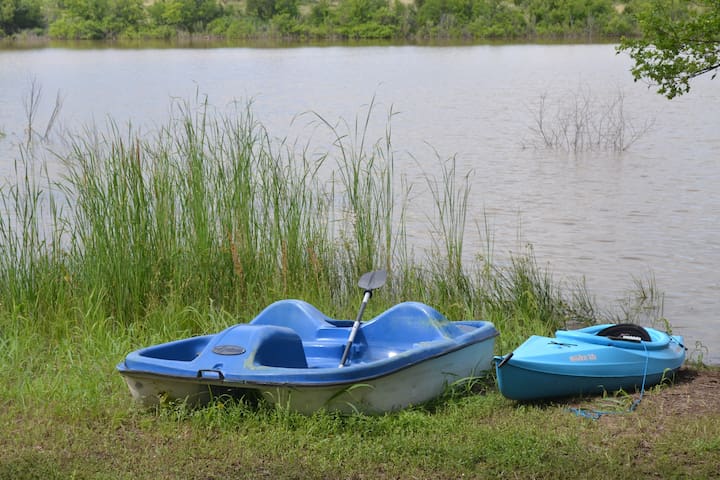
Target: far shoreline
{"type": "Point", "coordinates": [21, 42]}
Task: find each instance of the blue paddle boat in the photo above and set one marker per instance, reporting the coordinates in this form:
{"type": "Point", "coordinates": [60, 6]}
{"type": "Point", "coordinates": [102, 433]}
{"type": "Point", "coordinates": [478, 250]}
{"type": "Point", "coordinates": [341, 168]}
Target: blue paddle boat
{"type": "Point", "coordinates": [597, 359]}
{"type": "Point", "coordinates": [296, 357]}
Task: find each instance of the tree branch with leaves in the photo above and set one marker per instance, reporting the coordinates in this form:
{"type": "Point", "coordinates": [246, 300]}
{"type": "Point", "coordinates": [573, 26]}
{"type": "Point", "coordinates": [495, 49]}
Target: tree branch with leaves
{"type": "Point", "coordinates": [680, 41]}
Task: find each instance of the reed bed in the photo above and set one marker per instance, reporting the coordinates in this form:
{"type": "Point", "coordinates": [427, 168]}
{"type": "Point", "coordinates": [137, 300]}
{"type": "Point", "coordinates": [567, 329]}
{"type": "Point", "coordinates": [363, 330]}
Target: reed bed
{"type": "Point", "coordinates": [208, 211]}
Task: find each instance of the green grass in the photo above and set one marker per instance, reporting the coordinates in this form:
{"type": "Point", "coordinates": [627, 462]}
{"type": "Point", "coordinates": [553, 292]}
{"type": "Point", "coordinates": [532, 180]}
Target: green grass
{"type": "Point", "coordinates": [475, 436]}
{"type": "Point", "coordinates": [146, 239]}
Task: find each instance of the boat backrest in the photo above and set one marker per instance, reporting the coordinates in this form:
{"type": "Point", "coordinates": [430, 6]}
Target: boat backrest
{"type": "Point", "coordinates": [279, 347]}
{"type": "Point", "coordinates": [408, 323]}
{"type": "Point", "coordinates": [297, 315]}
{"type": "Point", "coordinates": [266, 345]}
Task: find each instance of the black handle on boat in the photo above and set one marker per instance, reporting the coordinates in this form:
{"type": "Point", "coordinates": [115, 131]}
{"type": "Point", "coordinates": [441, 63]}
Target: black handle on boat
{"type": "Point", "coordinates": [369, 282]}
{"type": "Point", "coordinates": [506, 359]}
{"type": "Point", "coordinates": [218, 374]}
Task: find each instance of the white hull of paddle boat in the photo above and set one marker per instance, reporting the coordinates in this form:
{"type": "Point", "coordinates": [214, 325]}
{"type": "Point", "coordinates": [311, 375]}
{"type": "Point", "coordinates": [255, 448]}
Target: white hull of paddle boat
{"type": "Point", "coordinates": [150, 390]}
{"type": "Point", "coordinates": [297, 358]}
{"type": "Point", "coordinates": [413, 385]}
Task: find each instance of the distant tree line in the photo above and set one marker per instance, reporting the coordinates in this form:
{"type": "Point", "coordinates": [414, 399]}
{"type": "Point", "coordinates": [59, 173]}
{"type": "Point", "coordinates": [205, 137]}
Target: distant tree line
{"type": "Point", "coordinates": [321, 19]}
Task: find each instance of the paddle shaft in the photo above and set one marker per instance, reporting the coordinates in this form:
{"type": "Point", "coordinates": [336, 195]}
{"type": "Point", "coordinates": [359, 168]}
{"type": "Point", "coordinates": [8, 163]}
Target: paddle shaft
{"type": "Point", "coordinates": [355, 327]}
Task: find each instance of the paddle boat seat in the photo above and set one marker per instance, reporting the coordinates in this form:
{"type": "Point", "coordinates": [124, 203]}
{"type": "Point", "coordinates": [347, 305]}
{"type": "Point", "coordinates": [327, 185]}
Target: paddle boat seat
{"type": "Point", "coordinates": [409, 323]}
{"type": "Point", "coordinates": [293, 333]}
{"type": "Point", "coordinates": [269, 346]}
{"type": "Point", "coordinates": [296, 315]}
{"type": "Point", "coordinates": [321, 339]}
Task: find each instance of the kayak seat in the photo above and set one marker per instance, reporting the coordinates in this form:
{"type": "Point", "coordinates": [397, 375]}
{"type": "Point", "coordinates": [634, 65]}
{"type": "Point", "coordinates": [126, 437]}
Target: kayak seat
{"type": "Point", "coordinates": [628, 331]}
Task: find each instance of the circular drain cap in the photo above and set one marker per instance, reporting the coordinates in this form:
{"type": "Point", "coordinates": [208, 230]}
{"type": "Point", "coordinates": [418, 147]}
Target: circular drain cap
{"type": "Point", "coordinates": [228, 350]}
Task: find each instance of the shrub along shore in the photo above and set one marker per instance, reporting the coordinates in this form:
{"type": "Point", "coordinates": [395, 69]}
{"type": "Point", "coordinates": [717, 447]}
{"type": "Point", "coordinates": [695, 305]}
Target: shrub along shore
{"type": "Point", "coordinates": [327, 19]}
{"type": "Point", "coordinates": [150, 238]}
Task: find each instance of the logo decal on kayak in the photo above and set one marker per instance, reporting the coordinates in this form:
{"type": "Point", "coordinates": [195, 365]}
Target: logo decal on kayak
{"type": "Point", "coordinates": [583, 358]}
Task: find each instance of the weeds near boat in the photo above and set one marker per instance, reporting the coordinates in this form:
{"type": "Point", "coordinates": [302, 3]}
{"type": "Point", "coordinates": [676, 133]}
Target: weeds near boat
{"type": "Point", "coordinates": [450, 197]}
{"type": "Point", "coordinates": [580, 122]}
{"type": "Point", "coordinates": [697, 354]}
{"type": "Point", "coordinates": [643, 304]}
{"type": "Point", "coordinates": [366, 220]}
{"type": "Point", "coordinates": [477, 384]}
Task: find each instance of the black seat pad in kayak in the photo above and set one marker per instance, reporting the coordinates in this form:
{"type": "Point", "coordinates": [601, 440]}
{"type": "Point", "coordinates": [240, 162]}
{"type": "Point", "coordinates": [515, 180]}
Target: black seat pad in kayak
{"type": "Point", "coordinates": [622, 329]}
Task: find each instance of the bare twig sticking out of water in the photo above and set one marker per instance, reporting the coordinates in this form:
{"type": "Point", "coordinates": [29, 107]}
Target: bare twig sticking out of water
{"type": "Point", "coordinates": [580, 122]}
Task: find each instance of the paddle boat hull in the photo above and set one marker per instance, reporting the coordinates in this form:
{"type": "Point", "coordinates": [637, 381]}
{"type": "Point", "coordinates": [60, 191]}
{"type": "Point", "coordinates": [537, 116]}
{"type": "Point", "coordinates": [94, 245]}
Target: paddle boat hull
{"type": "Point", "coordinates": [290, 354]}
{"type": "Point", "coordinates": [586, 361]}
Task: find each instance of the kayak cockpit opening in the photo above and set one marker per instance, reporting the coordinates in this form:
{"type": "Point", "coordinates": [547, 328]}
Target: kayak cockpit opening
{"type": "Point", "coordinates": [625, 331]}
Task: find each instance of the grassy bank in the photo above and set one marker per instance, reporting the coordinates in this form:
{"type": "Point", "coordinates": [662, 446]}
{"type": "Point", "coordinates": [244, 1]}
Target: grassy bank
{"type": "Point", "coordinates": [149, 238]}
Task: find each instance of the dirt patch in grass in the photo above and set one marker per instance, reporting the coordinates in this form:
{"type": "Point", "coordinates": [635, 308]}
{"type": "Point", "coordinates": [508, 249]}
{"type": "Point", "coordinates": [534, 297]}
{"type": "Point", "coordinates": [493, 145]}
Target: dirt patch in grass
{"type": "Point", "coordinates": [673, 428]}
{"type": "Point", "coordinates": [654, 439]}
{"type": "Point", "coordinates": [694, 392]}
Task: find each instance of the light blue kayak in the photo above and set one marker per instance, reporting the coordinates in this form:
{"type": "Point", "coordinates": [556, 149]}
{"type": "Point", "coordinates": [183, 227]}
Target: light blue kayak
{"type": "Point", "coordinates": [295, 356]}
{"type": "Point", "coordinates": [597, 359]}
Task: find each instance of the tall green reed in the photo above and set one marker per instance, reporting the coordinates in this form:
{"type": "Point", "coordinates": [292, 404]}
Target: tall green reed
{"type": "Point", "coordinates": [209, 212]}
{"type": "Point", "coordinates": [369, 227]}
{"type": "Point", "coordinates": [450, 199]}
{"type": "Point", "coordinates": [31, 235]}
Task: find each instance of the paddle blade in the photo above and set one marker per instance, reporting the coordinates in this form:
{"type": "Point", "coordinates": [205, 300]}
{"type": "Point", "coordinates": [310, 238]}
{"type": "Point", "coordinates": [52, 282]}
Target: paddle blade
{"type": "Point", "coordinates": [372, 280]}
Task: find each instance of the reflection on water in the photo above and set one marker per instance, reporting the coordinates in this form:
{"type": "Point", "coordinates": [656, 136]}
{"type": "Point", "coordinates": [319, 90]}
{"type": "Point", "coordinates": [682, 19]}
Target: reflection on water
{"type": "Point", "coordinates": [652, 211]}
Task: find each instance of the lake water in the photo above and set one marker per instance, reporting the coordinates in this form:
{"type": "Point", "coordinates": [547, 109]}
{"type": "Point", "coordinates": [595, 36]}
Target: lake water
{"type": "Point", "coordinates": [651, 212]}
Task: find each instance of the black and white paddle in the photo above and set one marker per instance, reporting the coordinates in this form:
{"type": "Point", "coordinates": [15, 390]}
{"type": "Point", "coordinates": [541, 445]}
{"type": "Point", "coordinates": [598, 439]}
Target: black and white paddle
{"type": "Point", "coordinates": [369, 282]}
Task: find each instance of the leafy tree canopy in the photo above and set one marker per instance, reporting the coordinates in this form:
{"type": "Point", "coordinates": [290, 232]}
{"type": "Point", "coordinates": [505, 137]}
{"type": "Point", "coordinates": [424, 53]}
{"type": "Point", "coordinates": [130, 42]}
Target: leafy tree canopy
{"type": "Point", "coordinates": [16, 15]}
{"type": "Point", "coordinates": [678, 43]}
